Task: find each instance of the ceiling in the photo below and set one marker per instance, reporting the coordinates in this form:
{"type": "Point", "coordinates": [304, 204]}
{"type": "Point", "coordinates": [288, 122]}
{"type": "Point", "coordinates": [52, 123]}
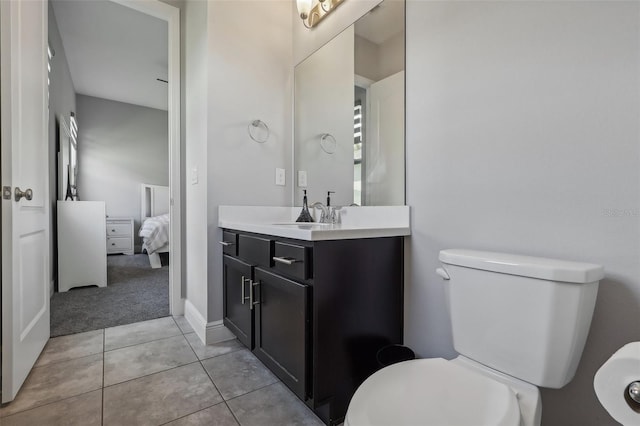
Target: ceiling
{"type": "Point", "coordinates": [114, 52]}
{"type": "Point", "coordinates": [382, 22]}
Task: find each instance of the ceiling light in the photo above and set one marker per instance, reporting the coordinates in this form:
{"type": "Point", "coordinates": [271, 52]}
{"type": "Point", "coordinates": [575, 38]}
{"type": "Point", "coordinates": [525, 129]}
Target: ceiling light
{"type": "Point", "coordinates": [313, 11]}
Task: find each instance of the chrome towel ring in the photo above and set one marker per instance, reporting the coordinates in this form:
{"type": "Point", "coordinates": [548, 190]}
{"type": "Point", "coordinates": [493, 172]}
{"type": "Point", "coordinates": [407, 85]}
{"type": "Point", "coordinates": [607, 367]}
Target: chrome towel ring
{"type": "Point", "coordinates": [258, 131]}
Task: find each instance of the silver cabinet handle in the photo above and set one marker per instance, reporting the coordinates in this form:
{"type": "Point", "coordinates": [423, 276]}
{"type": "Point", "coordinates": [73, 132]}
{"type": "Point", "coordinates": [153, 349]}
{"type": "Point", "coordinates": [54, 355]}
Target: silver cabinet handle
{"type": "Point", "coordinates": [285, 260]}
{"type": "Point", "coordinates": [27, 193]}
{"type": "Point", "coordinates": [226, 243]}
{"type": "Point", "coordinates": [252, 294]}
{"type": "Point", "coordinates": [242, 281]}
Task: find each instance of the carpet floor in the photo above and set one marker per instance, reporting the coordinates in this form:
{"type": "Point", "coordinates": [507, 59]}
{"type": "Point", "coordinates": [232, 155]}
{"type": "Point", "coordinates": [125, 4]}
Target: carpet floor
{"type": "Point", "coordinates": [134, 293]}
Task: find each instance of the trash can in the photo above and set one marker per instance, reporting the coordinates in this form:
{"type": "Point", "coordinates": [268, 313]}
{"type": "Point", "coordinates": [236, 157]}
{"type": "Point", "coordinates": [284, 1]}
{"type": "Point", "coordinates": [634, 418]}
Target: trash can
{"type": "Point", "coordinates": [393, 354]}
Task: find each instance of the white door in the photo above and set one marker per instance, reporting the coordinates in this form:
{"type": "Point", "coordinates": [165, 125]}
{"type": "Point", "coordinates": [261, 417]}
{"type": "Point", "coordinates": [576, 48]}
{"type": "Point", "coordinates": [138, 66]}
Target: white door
{"type": "Point", "coordinates": [24, 156]}
{"type": "Point", "coordinates": [384, 145]}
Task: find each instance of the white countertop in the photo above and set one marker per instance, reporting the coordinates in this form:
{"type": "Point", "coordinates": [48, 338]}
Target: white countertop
{"type": "Point", "coordinates": [355, 222]}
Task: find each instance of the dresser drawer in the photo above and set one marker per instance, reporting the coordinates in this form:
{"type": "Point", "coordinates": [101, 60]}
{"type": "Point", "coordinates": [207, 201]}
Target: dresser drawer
{"type": "Point", "coordinates": [255, 250]}
{"type": "Point", "coordinates": [292, 259]}
{"type": "Point", "coordinates": [115, 229]}
{"type": "Point", "coordinates": [118, 244]}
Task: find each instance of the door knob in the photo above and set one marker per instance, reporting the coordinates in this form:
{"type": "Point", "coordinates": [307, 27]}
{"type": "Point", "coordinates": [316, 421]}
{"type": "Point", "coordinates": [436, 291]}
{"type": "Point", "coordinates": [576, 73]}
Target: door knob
{"type": "Point", "coordinates": [28, 194]}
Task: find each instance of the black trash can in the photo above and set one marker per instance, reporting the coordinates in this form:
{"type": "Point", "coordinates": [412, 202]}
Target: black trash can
{"type": "Point", "coordinates": [393, 354]}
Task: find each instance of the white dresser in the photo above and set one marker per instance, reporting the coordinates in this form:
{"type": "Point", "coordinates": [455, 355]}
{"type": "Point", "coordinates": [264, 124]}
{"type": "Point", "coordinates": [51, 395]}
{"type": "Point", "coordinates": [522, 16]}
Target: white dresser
{"type": "Point", "coordinates": [82, 257]}
{"type": "Point", "coordinates": [120, 235]}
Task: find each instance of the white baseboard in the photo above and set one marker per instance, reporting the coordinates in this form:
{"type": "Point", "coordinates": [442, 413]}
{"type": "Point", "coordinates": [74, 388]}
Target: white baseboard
{"type": "Point", "coordinates": [217, 332]}
{"type": "Point", "coordinates": [208, 332]}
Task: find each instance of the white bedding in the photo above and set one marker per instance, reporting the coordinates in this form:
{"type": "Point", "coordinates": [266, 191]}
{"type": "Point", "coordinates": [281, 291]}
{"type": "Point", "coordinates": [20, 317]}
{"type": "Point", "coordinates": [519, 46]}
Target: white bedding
{"type": "Point", "coordinates": [155, 232]}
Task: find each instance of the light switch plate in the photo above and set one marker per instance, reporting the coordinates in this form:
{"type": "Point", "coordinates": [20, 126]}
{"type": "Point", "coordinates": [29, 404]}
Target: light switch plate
{"type": "Point", "coordinates": [302, 179]}
{"type": "Point", "coordinates": [280, 177]}
{"type": "Point", "coordinates": [194, 176]}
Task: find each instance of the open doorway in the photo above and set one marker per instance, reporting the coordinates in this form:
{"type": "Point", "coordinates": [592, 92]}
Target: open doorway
{"type": "Point", "coordinates": [114, 135]}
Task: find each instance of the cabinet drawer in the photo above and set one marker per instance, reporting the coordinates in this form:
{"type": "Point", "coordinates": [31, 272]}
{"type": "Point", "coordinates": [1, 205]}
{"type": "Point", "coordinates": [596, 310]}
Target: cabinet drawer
{"type": "Point", "coordinates": [229, 243]}
{"type": "Point", "coordinates": [115, 229]}
{"type": "Point", "coordinates": [292, 260]}
{"type": "Point", "coordinates": [118, 244]}
{"type": "Point", "coordinates": [255, 249]}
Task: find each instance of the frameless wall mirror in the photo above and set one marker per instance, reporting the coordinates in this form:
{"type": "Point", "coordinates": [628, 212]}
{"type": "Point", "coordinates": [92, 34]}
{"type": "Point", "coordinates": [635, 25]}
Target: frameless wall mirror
{"type": "Point", "coordinates": [351, 93]}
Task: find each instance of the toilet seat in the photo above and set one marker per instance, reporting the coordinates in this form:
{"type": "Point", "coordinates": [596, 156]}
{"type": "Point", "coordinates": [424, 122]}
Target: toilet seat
{"type": "Point", "coordinates": [432, 392]}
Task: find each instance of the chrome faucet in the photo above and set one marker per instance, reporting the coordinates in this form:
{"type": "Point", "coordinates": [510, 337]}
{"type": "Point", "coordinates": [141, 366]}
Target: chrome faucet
{"type": "Point", "coordinates": [324, 216]}
{"type": "Point", "coordinates": [334, 217]}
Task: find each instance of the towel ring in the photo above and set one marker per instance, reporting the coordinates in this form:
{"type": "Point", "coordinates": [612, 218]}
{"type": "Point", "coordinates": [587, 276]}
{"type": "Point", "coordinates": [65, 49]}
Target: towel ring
{"type": "Point", "coordinates": [252, 129]}
{"type": "Point", "coordinates": [328, 143]}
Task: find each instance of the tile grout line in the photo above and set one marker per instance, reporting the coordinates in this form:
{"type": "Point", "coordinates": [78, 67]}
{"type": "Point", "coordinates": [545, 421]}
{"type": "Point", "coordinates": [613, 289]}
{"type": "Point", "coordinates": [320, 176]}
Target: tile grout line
{"type": "Point", "coordinates": [150, 374]}
{"type": "Point", "coordinates": [143, 343]}
{"type": "Point", "coordinates": [205, 372]}
{"type": "Point", "coordinates": [187, 415]}
{"type": "Point", "coordinates": [44, 405]}
{"type": "Point", "coordinates": [254, 390]}
{"type": "Point", "coordinates": [220, 393]}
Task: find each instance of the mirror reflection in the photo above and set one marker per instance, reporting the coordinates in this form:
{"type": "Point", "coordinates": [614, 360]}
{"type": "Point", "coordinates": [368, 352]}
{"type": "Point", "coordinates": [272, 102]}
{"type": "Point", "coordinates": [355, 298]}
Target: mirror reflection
{"type": "Point", "coordinates": [349, 114]}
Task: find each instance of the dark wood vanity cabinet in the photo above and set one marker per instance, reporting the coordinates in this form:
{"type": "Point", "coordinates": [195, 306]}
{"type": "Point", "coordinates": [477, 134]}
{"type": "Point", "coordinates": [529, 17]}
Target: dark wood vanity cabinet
{"type": "Point", "coordinates": [315, 312]}
{"type": "Point", "coordinates": [237, 313]}
{"type": "Point", "coordinates": [282, 328]}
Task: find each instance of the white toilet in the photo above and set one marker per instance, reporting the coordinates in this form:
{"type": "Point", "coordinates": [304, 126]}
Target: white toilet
{"type": "Point", "coordinates": [518, 322]}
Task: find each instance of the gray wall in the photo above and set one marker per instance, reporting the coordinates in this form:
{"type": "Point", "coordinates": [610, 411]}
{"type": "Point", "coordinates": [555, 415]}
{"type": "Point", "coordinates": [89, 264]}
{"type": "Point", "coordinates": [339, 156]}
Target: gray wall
{"type": "Point", "coordinates": [234, 74]}
{"type": "Point", "coordinates": [195, 125]}
{"type": "Point", "coordinates": [249, 77]}
{"type": "Point", "coordinates": [522, 137]}
{"type": "Point", "coordinates": [120, 146]}
{"type": "Point", "coordinates": [62, 100]}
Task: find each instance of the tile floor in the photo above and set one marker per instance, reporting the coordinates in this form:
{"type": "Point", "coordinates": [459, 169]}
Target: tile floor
{"type": "Point", "coordinates": [151, 373]}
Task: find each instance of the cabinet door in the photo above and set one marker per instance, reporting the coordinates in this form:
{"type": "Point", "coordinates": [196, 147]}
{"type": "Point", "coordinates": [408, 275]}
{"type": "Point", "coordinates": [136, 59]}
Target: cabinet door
{"type": "Point", "coordinates": [282, 327]}
{"type": "Point", "coordinates": [237, 314]}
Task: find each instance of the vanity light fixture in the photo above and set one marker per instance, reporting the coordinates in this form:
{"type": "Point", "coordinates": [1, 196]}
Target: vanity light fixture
{"type": "Point", "coordinates": [311, 13]}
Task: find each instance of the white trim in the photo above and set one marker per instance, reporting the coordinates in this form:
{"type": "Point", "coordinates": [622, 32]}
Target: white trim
{"type": "Point", "coordinates": [196, 320]}
{"type": "Point", "coordinates": [216, 332]}
{"type": "Point", "coordinates": [363, 82]}
{"type": "Point", "coordinates": [171, 14]}
{"type": "Point", "coordinates": [209, 333]}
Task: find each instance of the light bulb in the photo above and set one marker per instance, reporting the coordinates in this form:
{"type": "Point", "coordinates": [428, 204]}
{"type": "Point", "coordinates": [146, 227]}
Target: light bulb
{"type": "Point", "coordinates": [304, 7]}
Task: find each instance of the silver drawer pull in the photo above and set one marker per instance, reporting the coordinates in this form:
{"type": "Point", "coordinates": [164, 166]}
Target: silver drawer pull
{"type": "Point", "coordinates": [244, 280]}
{"type": "Point", "coordinates": [252, 300]}
{"type": "Point", "coordinates": [226, 243]}
{"type": "Point", "coordinates": [285, 260]}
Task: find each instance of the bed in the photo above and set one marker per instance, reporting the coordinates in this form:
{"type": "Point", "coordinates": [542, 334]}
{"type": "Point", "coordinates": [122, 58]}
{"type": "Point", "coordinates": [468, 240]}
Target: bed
{"type": "Point", "coordinates": [154, 216]}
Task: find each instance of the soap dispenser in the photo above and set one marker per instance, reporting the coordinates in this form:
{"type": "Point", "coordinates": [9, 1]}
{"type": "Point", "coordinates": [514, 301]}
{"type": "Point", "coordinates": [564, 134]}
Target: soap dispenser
{"type": "Point", "coordinates": [305, 216]}
{"type": "Point", "coordinates": [329, 198]}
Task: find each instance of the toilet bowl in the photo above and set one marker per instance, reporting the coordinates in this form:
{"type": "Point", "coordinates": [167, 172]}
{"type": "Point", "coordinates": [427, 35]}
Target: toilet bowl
{"type": "Point", "coordinates": [518, 322]}
{"type": "Point", "coordinates": [435, 391]}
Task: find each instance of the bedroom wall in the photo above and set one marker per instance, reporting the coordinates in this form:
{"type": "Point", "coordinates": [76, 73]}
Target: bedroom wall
{"type": "Point", "coordinates": [120, 146]}
{"type": "Point", "coordinates": [62, 100]}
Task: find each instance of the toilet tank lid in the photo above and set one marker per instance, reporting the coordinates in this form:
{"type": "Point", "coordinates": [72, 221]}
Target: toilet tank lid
{"type": "Point", "coordinates": [526, 266]}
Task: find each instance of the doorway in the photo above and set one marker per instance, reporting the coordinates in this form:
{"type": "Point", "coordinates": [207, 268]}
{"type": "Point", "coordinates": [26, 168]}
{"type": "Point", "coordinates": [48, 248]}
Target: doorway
{"type": "Point", "coordinates": [122, 194]}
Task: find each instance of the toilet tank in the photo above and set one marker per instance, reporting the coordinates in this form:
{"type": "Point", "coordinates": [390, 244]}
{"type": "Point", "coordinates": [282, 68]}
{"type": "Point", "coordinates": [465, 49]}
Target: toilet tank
{"type": "Point", "coordinates": [525, 316]}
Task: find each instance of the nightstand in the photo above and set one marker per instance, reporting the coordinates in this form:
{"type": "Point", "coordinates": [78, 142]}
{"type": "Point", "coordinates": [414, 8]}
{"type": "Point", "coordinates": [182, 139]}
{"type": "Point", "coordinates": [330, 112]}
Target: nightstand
{"type": "Point", "coordinates": [120, 235]}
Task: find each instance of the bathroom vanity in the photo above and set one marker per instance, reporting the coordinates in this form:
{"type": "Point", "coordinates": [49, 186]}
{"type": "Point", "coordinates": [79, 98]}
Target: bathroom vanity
{"type": "Point", "coordinates": [315, 302]}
